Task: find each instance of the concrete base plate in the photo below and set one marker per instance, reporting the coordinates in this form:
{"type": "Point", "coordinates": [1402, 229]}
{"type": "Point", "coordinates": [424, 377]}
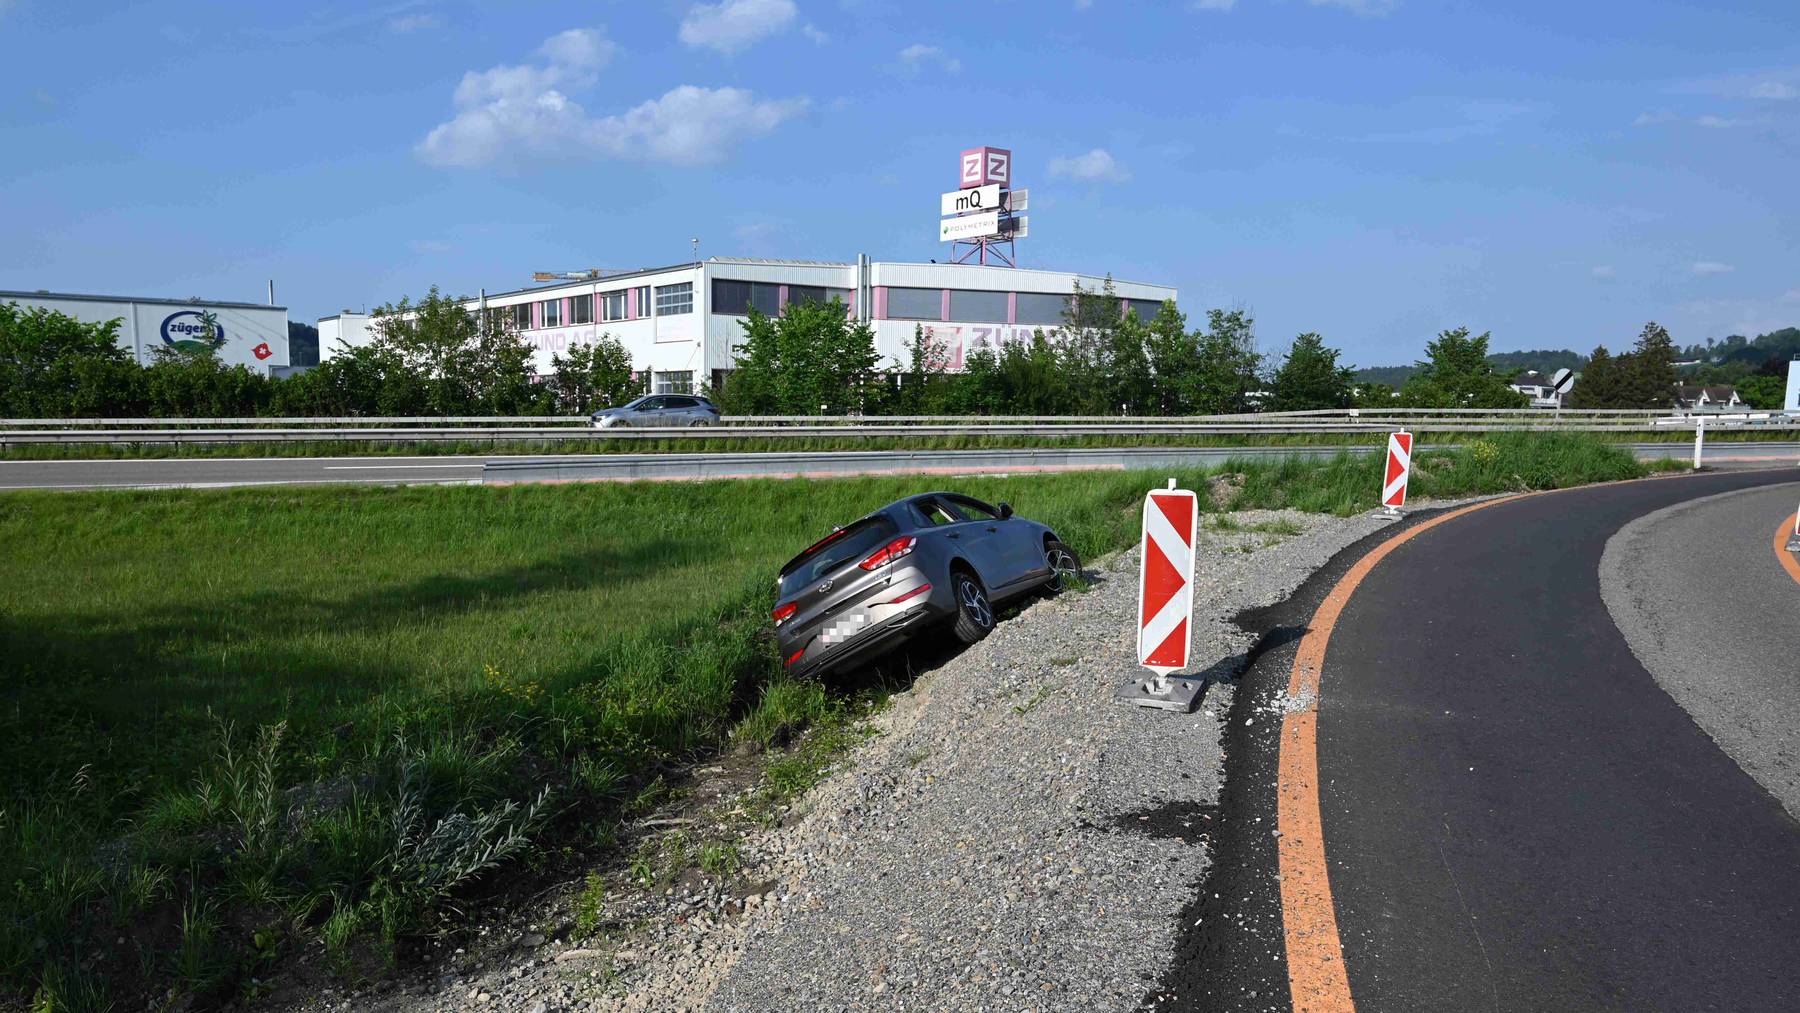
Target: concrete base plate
{"type": "Point", "coordinates": [1180, 694]}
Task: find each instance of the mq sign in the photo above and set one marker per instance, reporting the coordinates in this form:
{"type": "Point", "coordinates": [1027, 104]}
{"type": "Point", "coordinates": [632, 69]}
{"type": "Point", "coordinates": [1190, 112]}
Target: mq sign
{"type": "Point", "coordinates": [981, 198]}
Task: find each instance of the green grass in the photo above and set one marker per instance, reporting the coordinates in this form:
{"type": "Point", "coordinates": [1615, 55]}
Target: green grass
{"type": "Point", "coordinates": [847, 441]}
{"type": "Point", "coordinates": [235, 722]}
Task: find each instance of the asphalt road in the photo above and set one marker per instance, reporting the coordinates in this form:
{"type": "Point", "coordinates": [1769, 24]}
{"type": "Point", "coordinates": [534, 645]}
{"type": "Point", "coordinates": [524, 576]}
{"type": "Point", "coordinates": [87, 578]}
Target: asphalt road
{"type": "Point", "coordinates": [1515, 815]}
{"type": "Point", "coordinates": [1705, 604]}
{"type": "Point", "coordinates": [218, 472]}
{"type": "Point", "coordinates": [203, 472]}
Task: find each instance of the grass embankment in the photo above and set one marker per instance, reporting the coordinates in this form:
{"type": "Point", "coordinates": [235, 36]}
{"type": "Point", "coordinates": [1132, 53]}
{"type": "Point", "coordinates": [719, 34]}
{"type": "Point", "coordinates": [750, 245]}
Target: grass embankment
{"type": "Point", "coordinates": [235, 721]}
{"type": "Point", "coordinates": [787, 444]}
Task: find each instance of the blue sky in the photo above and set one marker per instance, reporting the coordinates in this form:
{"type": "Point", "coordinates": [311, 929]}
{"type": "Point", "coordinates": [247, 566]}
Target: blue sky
{"type": "Point", "coordinates": [1374, 170]}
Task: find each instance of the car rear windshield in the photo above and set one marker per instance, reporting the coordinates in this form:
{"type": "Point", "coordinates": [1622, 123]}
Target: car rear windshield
{"type": "Point", "coordinates": [829, 553]}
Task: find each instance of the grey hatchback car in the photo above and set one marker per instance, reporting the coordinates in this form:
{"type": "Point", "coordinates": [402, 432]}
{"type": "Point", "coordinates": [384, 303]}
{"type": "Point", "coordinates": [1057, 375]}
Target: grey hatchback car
{"type": "Point", "coordinates": [660, 410]}
{"type": "Point", "coordinates": [939, 557]}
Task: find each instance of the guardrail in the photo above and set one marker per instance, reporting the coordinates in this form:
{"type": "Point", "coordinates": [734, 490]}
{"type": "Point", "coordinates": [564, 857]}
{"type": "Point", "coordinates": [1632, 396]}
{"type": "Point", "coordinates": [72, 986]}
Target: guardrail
{"type": "Point", "coordinates": [566, 434]}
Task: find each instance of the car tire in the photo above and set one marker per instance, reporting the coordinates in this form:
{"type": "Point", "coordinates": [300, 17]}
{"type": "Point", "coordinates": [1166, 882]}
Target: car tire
{"type": "Point", "coordinates": [1065, 567]}
{"type": "Point", "coordinates": [974, 613]}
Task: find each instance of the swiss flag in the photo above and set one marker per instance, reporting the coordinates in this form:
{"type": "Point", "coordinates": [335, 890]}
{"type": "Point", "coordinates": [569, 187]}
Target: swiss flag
{"type": "Point", "coordinates": [262, 351]}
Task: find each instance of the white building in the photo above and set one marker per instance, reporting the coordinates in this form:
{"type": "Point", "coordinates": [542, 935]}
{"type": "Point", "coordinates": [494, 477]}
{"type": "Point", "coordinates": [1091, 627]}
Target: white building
{"type": "Point", "coordinates": [681, 323]}
{"type": "Point", "coordinates": [243, 334]}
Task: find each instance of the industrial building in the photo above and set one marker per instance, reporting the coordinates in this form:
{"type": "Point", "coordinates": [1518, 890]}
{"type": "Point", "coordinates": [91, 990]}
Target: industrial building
{"type": "Point", "coordinates": [681, 323]}
{"type": "Point", "coordinates": [243, 334]}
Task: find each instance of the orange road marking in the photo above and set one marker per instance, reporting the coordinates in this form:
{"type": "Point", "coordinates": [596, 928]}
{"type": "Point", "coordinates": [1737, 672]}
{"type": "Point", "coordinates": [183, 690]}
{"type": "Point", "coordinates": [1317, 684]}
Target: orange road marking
{"type": "Point", "coordinates": [1788, 561]}
{"type": "Point", "coordinates": [1317, 981]}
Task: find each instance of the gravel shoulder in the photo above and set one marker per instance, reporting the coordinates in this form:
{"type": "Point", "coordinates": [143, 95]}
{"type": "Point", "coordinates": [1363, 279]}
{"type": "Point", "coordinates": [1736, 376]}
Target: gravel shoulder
{"type": "Point", "coordinates": [1707, 610]}
{"type": "Point", "coordinates": [1009, 837]}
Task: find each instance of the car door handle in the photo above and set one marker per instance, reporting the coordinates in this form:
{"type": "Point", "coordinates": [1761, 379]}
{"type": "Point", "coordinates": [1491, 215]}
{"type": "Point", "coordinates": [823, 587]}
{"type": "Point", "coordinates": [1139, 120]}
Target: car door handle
{"type": "Point", "coordinates": [954, 535]}
{"type": "Point", "coordinates": [993, 529]}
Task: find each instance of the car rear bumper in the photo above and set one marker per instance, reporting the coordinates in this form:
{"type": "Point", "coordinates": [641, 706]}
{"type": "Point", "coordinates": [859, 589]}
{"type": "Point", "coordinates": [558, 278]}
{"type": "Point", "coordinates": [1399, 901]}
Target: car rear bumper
{"type": "Point", "coordinates": [833, 643]}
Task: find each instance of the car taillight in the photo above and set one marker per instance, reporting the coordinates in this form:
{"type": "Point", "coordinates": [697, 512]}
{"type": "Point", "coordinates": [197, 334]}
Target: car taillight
{"type": "Point", "coordinates": [796, 655]}
{"type": "Point", "coordinates": [783, 613]}
{"type": "Point", "coordinates": [890, 552]}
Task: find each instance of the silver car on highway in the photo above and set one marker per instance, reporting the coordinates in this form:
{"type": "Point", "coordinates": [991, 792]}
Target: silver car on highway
{"type": "Point", "coordinates": [660, 410]}
{"type": "Point", "coordinates": [939, 558]}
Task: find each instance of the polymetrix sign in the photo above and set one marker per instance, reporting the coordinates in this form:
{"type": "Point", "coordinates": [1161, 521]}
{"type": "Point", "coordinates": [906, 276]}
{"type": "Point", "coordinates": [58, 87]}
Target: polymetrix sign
{"type": "Point", "coordinates": [1166, 580]}
{"type": "Point", "coordinates": [969, 226]}
{"type": "Point", "coordinates": [1399, 469]}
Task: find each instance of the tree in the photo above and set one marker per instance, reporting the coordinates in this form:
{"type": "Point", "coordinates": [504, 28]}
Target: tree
{"type": "Point", "coordinates": [1598, 385]}
{"type": "Point", "coordinates": [922, 385]}
{"type": "Point", "coordinates": [1761, 390]}
{"type": "Point", "coordinates": [191, 382]}
{"type": "Point", "coordinates": [467, 366]}
{"type": "Point", "coordinates": [1310, 377]}
{"type": "Point", "coordinates": [54, 366]}
{"type": "Point", "coordinates": [1457, 374]}
{"type": "Point", "coordinates": [1646, 374]}
{"type": "Point", "coordinates": [1227, 364]}
{"type": "Point", "coordinates": [594, 375]}
{"type": "Point", "coordinates": [1174, 358]}
{"type": "Point", "coordinates": [1084, 347]}
{"type": "Point", "coordinates": [812, 359]}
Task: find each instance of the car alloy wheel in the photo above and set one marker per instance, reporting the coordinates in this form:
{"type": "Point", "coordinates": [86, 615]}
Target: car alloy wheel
{"type": "Point", "coordinates": [974, 602]}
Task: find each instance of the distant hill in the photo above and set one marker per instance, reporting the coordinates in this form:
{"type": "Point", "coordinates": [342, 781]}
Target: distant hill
{"type": "Point", "coordinates": [1509, 364]}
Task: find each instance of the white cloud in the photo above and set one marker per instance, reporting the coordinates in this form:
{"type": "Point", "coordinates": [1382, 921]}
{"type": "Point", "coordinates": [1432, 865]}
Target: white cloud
{"type": "Point", "coordinates": [918, 54]}
{"type": "Point", "coordinates": [518, 114]}
{"type": "Point", "coordinates": [814, 34]}
{"type": "Point", "coordinates": [1781, 85]}
{"type": "Point", "coordinates": [1605, 272]}
{"type": "Point", "coordinates": [1361, 8]}
{"type": "Point", "coordinates": [1791, 295]}
{"type": "Point", "coordinates": [1710, 267]}
{"type": "Point", "coordinates": [1709, 120]}
{"type": "Point", "coordinates": [407, 23]}
{"type": "Point", "coordinates": [1213, 5]}
{"type": "Point", "coordinates": [1716, 122]}
{"type": "Point", "coordinates": [1082, 5]}
{"type": "Point", "coordinates": [731, 26]}
{"type": "Point", "coordinates": [1097, 166]}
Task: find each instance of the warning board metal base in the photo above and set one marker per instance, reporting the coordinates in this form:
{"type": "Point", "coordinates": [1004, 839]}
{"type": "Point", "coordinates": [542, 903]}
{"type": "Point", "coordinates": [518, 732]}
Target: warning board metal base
{"type": "Point", "coordinates": [1170, 693]}
{"type": "Point", "coordinates": [1793, 544]}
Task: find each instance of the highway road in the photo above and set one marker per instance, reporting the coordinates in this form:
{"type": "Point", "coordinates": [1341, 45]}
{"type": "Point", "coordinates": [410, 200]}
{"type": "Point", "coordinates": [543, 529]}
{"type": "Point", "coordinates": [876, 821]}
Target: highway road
{"type": "Point", "coordinates": [1455, 786]}
{"type": "Point", "coordinates": [210, 472]}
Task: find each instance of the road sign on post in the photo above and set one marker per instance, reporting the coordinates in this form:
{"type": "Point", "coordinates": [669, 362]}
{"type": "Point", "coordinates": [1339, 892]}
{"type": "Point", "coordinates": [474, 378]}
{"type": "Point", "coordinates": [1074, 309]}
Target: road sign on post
{"type": "Point", "coordinates": [1399, 469]}
{"type": "Point", "coordinates": [1166, 601]}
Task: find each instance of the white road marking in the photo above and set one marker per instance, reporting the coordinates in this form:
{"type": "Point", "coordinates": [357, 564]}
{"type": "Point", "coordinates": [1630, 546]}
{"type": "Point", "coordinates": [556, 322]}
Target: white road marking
{"type": "Point", "coordinates": [393, 467]}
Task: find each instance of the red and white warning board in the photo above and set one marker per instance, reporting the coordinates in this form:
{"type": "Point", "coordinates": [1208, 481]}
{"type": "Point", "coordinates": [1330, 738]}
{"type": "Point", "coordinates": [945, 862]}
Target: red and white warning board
{"type": "Point", "coordinates": [1399, 468]}
{"type": "Point", "coordinates": [1166, 579]}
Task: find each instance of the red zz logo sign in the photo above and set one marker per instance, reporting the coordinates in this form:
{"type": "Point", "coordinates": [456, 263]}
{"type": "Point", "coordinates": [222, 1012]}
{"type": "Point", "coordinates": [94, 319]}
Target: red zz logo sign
{"type": "Point", "coordinates": [984, 165]}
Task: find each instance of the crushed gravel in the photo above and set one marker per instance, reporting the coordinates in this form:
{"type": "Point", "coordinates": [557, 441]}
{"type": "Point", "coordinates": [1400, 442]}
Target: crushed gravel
{"type": "Point", "coordinates": [1012, 838]}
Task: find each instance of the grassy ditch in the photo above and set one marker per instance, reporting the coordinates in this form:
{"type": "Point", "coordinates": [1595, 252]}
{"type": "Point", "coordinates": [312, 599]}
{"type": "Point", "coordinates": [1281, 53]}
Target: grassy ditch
{"type": "Point", "coordinates": [236, 722]}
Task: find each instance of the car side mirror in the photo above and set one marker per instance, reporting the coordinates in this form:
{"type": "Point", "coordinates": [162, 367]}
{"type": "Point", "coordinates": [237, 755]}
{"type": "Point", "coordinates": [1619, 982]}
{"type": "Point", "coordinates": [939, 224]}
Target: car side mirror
{"type": "Point", "coordinates": [1005, 510]}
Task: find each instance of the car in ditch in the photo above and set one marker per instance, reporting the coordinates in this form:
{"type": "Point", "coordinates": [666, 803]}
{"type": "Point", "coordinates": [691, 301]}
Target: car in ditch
{"type": "Point", "coordinates": [928, 562]}
{"type": "Point", "coordinates": [659, 410]}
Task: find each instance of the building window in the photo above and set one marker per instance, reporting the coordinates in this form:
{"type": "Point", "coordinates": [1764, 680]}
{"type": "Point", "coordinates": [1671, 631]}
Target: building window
{"type": "Point", "coordinates": [1040, 308]}
{"type": "Point", "coordinates": [581, 310]}
{"type": "Point", "coordinates": [818, 294]}
{"type": "Point", "coordinates": [978, 307]}
{"type": "Point", "coordinates": [643, 301]}
{"type": "Point", "coordinates": [675, 381]}
{"type": "Point", "coordinates": [522, 316]}
{"type": "Point", "coordinates": [612, 305]}
{"type": "Point", "coordinates": [552, 312]}
{"type": "Point", "coordinates": [719, 377]}
{"type": "Point", "coordinates": [915, 304]}
{"type": "Point", "coordinates": [737, 298]}
{"type": "Point", "coordinates": [674, 299]}
{"type": "Point", "coordinates": [1146, 309]}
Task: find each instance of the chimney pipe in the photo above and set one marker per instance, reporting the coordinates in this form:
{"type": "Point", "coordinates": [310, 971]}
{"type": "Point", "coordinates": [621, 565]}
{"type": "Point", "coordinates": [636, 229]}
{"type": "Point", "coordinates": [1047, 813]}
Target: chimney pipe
{"type": "Point", "coordinates": [271, 291]}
